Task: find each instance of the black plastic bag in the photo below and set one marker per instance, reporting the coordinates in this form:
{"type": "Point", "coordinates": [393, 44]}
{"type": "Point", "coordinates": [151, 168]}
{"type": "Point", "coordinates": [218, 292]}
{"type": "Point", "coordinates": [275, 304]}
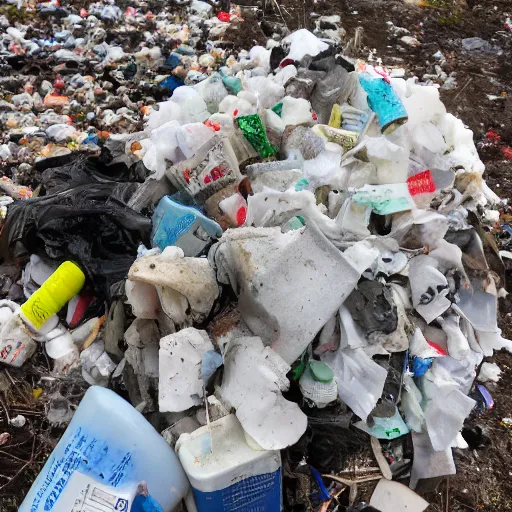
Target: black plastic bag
{"type": "Point", "coordinates": [83, 170]}
{"type": "Point", "coordinates": [88, 224]}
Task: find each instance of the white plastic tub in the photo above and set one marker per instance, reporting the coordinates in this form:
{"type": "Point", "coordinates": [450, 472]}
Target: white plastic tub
{"type": "Point", "coordinates": [226, 474]}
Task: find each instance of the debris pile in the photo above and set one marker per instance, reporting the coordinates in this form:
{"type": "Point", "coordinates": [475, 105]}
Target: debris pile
{"type": "Point", "coordinates": [264, 250]}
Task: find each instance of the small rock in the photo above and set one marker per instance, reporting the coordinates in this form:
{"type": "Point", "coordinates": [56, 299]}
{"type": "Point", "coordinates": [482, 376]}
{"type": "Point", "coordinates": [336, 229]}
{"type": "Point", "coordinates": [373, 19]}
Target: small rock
{"type": "Point", "coordinates": [19, 421]}
{"type": "Point", "coordinates": [410, 41]}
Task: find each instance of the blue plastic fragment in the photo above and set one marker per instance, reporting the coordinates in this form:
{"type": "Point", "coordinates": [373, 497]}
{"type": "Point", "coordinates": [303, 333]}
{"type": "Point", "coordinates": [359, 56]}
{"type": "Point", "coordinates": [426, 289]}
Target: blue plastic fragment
{"type": "Point", "coordinates": [324, 493]}
{"type": "Point", "coordinates": [421, 365]}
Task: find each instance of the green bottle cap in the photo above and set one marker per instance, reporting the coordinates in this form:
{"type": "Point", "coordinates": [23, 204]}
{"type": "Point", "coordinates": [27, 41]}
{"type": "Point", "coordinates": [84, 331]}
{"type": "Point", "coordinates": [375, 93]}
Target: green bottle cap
{"type": "Point", "coordinates": [321, 372]}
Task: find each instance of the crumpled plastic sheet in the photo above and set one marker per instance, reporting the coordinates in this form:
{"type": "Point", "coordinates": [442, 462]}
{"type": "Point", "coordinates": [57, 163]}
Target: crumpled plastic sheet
{"type": "Point", "coordinates": [254, 377]}
{"type": "Point", "coordinates": [360, 379]}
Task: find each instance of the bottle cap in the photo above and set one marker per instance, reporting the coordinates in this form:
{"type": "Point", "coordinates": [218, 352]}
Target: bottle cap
{"type": "Point", "coordinates": [321, 372]}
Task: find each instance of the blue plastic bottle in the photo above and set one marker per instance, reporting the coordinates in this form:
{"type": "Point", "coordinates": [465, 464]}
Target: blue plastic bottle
{"type": "Point", "coordinates": [106, 451]}
{"type": "Point", "coordinates": [183, 226]}
{"type": "Point", "coordinates": [384, 101]}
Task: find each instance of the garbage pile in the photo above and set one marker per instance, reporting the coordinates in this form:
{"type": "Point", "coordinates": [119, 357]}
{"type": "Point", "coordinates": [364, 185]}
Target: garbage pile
{"type": "Point", "coordinates": [248, 245]}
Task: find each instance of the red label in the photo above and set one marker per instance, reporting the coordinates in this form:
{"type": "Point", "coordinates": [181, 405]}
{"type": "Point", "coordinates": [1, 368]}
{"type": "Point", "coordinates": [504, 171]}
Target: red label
{"type": "Point", "coordinates": [224, 16]}
{"type": "Point", "coordinates": [421, 183]}
{"type": "Point", "coordinates": [437, 348]}
{"type": "Point", "coordinates": [241, 215]}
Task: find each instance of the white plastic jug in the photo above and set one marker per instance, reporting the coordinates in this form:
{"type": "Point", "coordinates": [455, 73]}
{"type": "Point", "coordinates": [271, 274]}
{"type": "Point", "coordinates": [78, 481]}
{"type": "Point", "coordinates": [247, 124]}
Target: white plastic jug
{"type": "Point", "coordinates": [106, 451]}
{"type": "Point", "coordinates": [226, 474]}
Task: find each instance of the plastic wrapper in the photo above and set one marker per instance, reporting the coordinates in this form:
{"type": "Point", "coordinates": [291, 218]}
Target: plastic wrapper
{"type": "Point", "coordinates": [213, 91]}
{"type": "Point", "coordinates": [254, 377]}
{"type": "Point", "coordinates": [254, 132]}
{"type": "Point", "coordinates": [360, 380]}
{"type": "Point", "coordinates": [181, 381]}
{"type": "Point", "coordinates": [429, 463]}
{"type": "Point", "coordinates": [211, 169]}
{"type": "Point", "coordinates": [303, 42]}
{"type": "Point", "coordinates": [268, 92]}
{"type": "Point", "coordinates": [81, 170]}
{"type": "Point", "coordinates": [384, 199]}
{"type": "Point", "coordinates": [344, 138]}
{"type": "Point", "coordinates": [263, 287]}
{"type": "Point", "coordinates": [411, 405]}
{"type": "Point", "coordinates": [295, 111]}
{"type": "Point", "coordinates": [446, 407]}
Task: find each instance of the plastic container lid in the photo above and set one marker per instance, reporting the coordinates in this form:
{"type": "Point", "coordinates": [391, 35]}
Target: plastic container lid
{"type": "Point", "coordinates": [320, 393]}
{"type": "Point", "coordinates": [321, 372]}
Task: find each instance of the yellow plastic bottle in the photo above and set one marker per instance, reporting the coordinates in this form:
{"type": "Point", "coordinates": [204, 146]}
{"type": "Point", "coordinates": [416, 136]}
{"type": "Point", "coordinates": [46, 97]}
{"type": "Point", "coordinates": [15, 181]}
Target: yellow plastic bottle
{"type": "Point", "coordinates": [58, 289]}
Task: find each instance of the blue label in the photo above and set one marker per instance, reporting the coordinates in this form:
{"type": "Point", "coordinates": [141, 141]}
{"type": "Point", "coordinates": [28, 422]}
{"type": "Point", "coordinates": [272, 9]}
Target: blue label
{"type": "Point", "coordinates": [169, 227]}
{"type": "Point", "coordinates": [89, 455]}
{"type": "Point", "coordinates": [176, 227]}
{"type": "Point", "coordinates": [260, 493]}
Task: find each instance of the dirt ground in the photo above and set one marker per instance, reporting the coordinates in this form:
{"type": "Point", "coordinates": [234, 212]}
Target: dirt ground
{"type": "Point", "coordinates": [484, 472]}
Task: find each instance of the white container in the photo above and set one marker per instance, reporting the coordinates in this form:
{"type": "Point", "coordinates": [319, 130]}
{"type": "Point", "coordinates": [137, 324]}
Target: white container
{"type": "Point", "coordinates": [107, 449]}
{"type": "Point", "coordinates": [319, 394]}
{"type": "Point", "coordinates": [232, 476]}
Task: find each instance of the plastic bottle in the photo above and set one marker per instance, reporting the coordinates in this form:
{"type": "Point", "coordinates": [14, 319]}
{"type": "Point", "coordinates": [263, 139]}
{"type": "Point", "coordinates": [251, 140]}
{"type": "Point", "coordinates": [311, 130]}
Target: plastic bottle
{"type": "Point", "coordinates": [106, 451]}
{"type": "Point", "coordinates": [384, 101]}
{"type": "Point", "coordinates": [183, 226]}
{"type": "Point", "coordinates": [318, 384]}
{"type": "Point", "coordinates": [58, 289]}
{"type": "Point", "coordinates": [235, 207]}
{"type": "Point", "coordinates": [16, 346]}
{"type": "Point", "coordinates": [226, 473]}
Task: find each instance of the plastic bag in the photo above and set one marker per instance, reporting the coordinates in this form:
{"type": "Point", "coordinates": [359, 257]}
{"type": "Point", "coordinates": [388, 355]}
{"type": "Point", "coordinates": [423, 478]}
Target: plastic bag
{"type": "Point", "coordinates": [88, 224]}
{"type": "Point", "coordinates": [213, 91]}
{"type": "Point", "coordinates": [302, 42]}
{"type": "Point", "coordinates": [83, 170]}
